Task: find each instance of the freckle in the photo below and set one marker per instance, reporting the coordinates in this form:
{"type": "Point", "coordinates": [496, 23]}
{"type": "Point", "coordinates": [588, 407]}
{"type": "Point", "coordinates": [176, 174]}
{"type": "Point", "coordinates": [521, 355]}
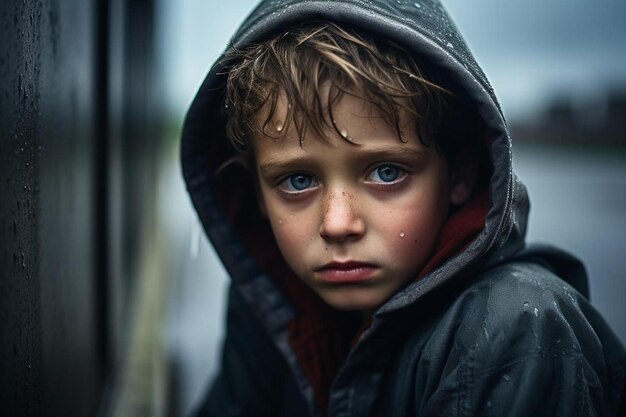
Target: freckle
{"type": "Point", "coordinates": [401, 234]}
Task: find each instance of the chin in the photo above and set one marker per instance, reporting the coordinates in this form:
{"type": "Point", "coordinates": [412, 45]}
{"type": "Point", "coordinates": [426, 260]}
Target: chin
{"type": "Point", "coordinates": [352, 300]}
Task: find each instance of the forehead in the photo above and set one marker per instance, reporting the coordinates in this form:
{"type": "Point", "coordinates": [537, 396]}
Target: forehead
{"type": "Point", "coordinates": [356, 131]}
{"type": "Point", "coordinates": [351, 119]}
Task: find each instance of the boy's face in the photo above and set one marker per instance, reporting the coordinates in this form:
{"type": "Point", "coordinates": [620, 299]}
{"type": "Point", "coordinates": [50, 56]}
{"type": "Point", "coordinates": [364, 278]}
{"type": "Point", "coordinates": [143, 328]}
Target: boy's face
{"type": "Point", "coordinates": [356, 223]}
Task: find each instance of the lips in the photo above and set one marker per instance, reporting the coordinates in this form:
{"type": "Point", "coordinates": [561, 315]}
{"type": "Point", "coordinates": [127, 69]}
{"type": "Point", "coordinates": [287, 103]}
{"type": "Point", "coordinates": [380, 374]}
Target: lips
{"type": "Point", "coordinates": [346, 272]}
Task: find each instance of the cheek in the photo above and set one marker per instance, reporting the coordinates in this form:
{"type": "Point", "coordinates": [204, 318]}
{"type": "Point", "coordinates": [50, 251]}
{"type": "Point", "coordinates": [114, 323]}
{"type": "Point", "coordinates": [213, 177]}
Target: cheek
{"type": "Point", "coordinates": [410, 233]}
{"type": "Point", "coordinates": [293, 233]}
{"type": "Point", "coordinates": [403, 232]}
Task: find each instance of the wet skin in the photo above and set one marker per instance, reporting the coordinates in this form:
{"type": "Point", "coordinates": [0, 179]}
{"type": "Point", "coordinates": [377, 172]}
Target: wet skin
{"type": "Point", "coordinates": [355, 220]}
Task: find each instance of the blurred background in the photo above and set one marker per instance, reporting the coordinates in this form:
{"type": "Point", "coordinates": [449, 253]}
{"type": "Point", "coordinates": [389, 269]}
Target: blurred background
{"type": "Point", "coordinates": [111, 299]}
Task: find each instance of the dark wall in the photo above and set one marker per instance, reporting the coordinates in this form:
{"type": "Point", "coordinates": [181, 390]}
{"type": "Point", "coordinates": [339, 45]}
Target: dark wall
{"type": "Point", "coordinates": [77, 160]}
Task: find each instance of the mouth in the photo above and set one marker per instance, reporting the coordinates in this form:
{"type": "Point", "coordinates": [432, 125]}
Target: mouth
{"type": "Point", "coordinates": [346, 272]}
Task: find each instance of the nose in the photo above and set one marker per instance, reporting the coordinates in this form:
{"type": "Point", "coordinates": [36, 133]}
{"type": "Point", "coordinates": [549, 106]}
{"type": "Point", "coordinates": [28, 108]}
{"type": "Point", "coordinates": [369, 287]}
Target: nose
{"type": "Point", "coordinates": [341, 220]}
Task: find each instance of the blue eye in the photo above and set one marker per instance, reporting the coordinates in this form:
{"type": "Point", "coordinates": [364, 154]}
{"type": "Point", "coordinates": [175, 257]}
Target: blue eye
{"type": "Point", "coordinates": [297, 182]}
{"type": "Point", "coordinates": [385, 173]}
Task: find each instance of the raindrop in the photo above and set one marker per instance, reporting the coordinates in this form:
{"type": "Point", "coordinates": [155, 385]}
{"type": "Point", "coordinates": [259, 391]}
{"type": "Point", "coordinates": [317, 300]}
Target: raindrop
{"type": "Point", "coordinates": [419, 6]}
{"type": "Point", "coordinates": [506, 377]}
{"type": "Point", "coordinates": [280, 221]}
{"type": "Point", "coordinates": [525, 303]}
{"type": "Point", "coordinates": [279, 127]}
{"type": "Point", "coordinates": [401, 234]}
{"type": "Point", "coordinates": [344, 133]}
{"type": "Point", "coordinates": [449, 45]}
{"type": "Point", "coordinates": [536, 311]}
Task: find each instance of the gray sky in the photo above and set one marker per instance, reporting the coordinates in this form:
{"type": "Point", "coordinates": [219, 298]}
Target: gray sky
{"type": "Point", "coordinates": [530, 49]}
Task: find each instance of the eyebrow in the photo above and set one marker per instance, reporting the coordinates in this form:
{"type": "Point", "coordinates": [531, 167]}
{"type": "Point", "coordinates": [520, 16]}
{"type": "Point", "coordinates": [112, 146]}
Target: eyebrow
{"type": "Point", "coordinates": [281, 162]}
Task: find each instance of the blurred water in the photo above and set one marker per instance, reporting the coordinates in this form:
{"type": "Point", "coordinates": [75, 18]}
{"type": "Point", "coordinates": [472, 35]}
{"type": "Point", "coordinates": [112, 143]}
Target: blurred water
{"type": "Point", "coordinates": [578, 202]}
{"type": "Point", "coordinates": [196, 294]}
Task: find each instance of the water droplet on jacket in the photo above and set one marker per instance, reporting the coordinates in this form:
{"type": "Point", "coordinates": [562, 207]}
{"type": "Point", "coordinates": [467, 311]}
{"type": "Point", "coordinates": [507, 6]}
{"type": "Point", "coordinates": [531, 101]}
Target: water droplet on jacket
{"type": "Point", "coordinates": [449, 45]}
{"type": "Point", "coordinates": [536, 311]}
{"type": "Point", "coordinates": [506, 377]}
{"type": "Point", "coordinates": [488, 404]}
{"type": "Point", "coordinates": [419, 6]}
{"type": "Point", "coordinates": [525, 303]}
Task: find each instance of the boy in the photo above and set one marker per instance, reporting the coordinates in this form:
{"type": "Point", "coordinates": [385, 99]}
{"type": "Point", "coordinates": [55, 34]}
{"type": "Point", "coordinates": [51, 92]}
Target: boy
{"type": "Point", "coordinates": [353, 170]}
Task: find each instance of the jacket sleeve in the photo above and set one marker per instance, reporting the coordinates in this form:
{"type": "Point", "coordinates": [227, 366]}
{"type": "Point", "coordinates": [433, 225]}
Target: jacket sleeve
{"type": "Point", "coordinates": [527, 344]}
{"type": "Point", "coordinates": [252, 371]}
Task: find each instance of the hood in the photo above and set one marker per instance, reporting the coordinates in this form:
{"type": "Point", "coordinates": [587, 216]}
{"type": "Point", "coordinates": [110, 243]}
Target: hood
{"type": "Point", "coordinates": [228, 209]}
{"type": "Point", "coordinates": [227, 205]}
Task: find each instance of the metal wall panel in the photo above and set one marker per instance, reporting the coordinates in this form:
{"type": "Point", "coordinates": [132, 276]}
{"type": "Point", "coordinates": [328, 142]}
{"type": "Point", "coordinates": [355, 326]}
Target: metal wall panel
{"type": "Point", "coordinates": [77, 163]}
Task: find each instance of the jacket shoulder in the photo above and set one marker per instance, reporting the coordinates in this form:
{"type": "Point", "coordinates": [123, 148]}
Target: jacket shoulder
{"type": "Point", "coordinates": [526, 303]}
{"type": "Point", "coordinates": [518, 335]}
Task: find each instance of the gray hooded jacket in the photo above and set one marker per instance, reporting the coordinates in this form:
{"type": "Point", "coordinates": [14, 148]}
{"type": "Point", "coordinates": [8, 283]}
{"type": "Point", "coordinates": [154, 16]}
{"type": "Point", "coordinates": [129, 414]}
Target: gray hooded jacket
{"type": "Point", "coordinates": [500, 328]}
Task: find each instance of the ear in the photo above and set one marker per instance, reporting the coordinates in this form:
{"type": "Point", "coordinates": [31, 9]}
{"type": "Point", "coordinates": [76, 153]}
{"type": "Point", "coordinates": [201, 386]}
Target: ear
{"type": "Point", "coordinates": [463, 175]}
